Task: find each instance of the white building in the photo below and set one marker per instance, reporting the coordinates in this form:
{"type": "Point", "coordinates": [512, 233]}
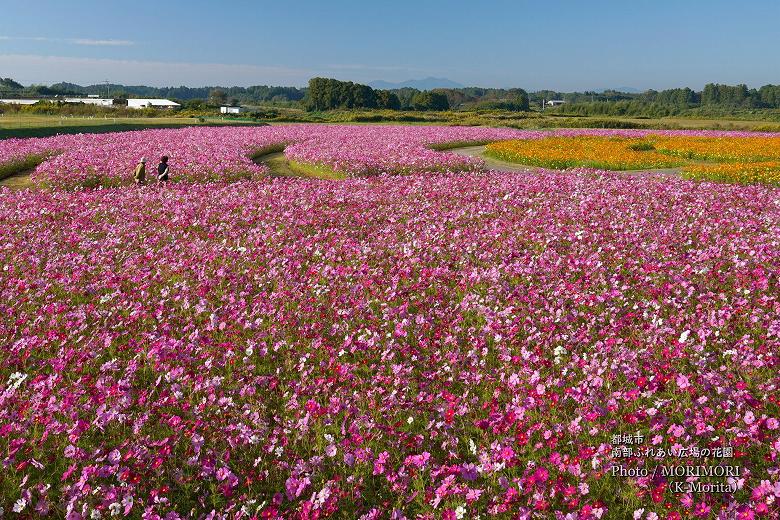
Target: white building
{"type": "Point", "coordinates": [19, 101]}
{"type": "Point", "coordinates": [151, 103]}
{"type": "Point", "coordinates": [101, 102]}
{"type": "Point", "coordinates": [232, 110]}
{"type": "Point", "coordinates": [555, 102]}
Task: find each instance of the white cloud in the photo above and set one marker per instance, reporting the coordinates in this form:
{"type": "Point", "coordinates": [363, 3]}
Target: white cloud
{"type": "Point", "coordinates": [110, 43]}
{"type": "Point", "coordinates": [30, 68]}
{"type": "Point", "coordinates": [28, 38]}
{"type": "Point", "coordinates": [74, 41]}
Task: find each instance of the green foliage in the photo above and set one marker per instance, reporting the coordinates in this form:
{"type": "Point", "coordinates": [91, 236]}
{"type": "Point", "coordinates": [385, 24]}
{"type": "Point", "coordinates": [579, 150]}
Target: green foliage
{"type": "Point", "coordinates": [441, 147]}
{"type": "Point", "coordinates": [678, 97]}
{"type": "Point", "coordinates": [265, 113]}
{"type": "Point", "coordinates": [253, 94]}
{"type": "Point", "coordinates": [330, 94]}
{"type": "Point", "coordinates": [631, 108]}
{"type": "Point", "coordinates": [9, 84]}
{"type": "Point", "coordinates": [715, 100]}
{"type": "Point", "coordinates": [509, 106]}
{"type": "Point", "coordinates": [430, 100]}
{"type": "Point", "coordinates": [347, 95]}
{"type": "Point", "coordinates": [217, 97]}
{"type": "Point", "coordinates": [641, 147]}
{"type": "Point", "coordinates": [725, 95]}
{"type": "Point", "coordinates": [387, 100]}
{"type": "Point", "coordinates": [474, 98]}
{"type": "Point", "coordinates": [604, 123]}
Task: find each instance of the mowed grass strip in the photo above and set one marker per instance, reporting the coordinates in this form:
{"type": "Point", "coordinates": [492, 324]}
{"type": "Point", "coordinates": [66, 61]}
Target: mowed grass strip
{"type": "Point", "coordinates": [24, 126]}
{"type": "Point", "coordinates": [273, 157]}
{"type": "Point", "coordinates": [21, 166]}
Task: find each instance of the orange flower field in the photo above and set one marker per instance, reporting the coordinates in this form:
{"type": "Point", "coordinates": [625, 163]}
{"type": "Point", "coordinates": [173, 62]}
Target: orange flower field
{"type": "Point", "coordinates": [608, 153]}
{"type": "Point", "coordinates": [725, 159]}
{"type": "Point", "coordinates": [720, 149]}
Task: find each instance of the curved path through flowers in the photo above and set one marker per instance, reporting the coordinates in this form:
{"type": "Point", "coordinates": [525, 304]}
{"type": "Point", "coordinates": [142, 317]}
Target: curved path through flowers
{"type": "Point", "coordinates": [479, 152]}
{"type": "Point", "coordinates": [18, 181]}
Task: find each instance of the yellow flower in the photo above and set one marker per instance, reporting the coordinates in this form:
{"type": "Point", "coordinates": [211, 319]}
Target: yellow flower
{"type": "Point", "coordinates": [745, 173]}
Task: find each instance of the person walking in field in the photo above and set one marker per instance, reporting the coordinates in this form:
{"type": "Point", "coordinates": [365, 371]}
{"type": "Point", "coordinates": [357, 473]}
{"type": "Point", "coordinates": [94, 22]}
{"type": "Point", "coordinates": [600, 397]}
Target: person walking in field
{"type": "Point", "coordinates": [162, 169]}
{"type": "Point", "coordinates": [140, 172]}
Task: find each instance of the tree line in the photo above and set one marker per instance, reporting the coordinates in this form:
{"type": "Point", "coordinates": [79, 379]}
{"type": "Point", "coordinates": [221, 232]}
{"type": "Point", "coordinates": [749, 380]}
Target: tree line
{"type": "Point", "coordinates": [257, 93]}
{"type": "Point", "coordinates": [713, 98]}
{"type": "Point", "coordinates": [321, 94]}
{"type": "Point", "coordinates": [331, 94]}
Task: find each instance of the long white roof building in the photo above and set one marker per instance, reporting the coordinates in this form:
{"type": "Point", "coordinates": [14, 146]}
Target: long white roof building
{"type": "Point", "coordinates": [151, 103]}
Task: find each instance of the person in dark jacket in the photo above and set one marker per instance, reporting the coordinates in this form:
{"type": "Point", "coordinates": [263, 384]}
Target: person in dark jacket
{"type": "Point", "coordinates": [162, 169]}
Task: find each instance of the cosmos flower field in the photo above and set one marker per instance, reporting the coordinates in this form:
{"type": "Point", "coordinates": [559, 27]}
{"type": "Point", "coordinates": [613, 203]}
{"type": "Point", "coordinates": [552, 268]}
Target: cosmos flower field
{"type": "Point", "coordinates": [425, 339]}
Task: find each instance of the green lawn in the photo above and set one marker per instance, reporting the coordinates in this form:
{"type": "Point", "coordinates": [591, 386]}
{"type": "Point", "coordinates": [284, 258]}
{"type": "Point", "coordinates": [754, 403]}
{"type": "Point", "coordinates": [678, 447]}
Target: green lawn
{"type": "Point", "coordinates": [31, 125]}
{"type": "Point", "coordinates": [34, 125]}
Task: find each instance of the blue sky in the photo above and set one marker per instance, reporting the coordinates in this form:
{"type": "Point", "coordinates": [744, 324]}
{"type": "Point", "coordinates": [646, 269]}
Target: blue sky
{"type": "Point", "coordinates": [561, 45]}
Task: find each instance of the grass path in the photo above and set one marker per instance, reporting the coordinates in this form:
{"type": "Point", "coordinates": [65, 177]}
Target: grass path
{"type": "Point", "coordinates": [281, 167]}
{"type": "Point", "coordinates": [18, 181]}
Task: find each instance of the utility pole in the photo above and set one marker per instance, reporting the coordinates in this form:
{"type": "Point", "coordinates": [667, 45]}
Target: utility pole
{"type": "Point", "coordinates": [108, 89]}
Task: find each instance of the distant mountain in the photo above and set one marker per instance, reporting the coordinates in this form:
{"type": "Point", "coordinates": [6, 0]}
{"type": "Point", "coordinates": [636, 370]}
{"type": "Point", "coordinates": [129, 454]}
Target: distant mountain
{"type": "Point", "coordinates": [419, 84]}
{"type": "Point", "coordinates": [627, 90]}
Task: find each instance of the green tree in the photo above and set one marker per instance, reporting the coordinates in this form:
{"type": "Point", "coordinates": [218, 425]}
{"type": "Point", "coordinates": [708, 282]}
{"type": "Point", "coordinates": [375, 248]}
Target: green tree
{"type": "Point", "coordinates": [430, 100]}
{"type": "Point", "coordinates": [519, 98]}
{"type": "Point", "coordinates": [9, 84]}
{"type": "Point", "coordinates": [217, 96]}
{"type": "Point", "coordinates": [388, 100]}
{"type": "Point", "coordinates": [329, 94]}
{"type": "Point", "coordinates": [362, 96]}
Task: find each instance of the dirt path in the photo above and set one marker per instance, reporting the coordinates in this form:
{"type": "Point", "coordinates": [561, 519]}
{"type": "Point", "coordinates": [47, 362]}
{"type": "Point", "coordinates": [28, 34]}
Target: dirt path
{"type": "Point", "coordinates": [479, 151]}
{"type": "Point", "coordinates": [495, 164]}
